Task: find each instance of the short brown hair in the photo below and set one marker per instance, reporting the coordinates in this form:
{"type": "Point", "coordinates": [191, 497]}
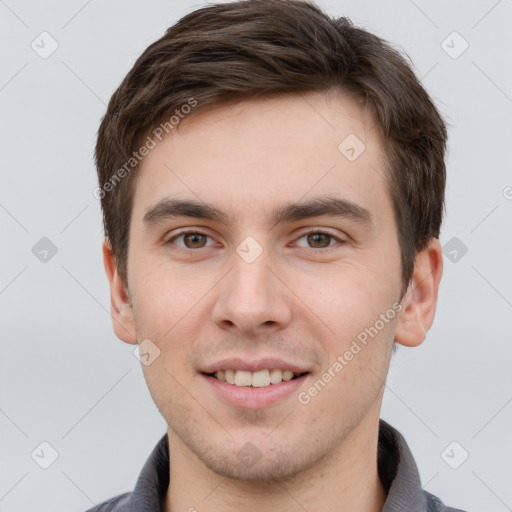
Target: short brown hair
{"type": "Point", "coordinates": [224, 53]}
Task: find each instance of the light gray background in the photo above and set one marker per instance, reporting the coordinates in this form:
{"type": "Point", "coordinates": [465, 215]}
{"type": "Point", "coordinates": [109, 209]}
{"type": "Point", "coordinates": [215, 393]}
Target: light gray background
{"type": "Point", "coordinates": [67, 380]}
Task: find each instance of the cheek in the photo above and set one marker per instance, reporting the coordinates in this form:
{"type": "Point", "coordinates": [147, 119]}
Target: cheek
{"type": "Point", "coordinates": [355, 374]}
{"type": "Point", "coordinates": [164, 297]}
{"type": "Point", "coordinates": [348, 308]}
{"type": "Point", "coordinates": [168, 318]}
{"type": "Point", "coordinates": [345, 298]}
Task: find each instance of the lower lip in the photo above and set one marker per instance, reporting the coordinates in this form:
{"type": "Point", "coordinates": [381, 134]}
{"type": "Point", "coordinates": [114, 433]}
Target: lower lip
{"type": "Point", "coordinates": [253, 398]}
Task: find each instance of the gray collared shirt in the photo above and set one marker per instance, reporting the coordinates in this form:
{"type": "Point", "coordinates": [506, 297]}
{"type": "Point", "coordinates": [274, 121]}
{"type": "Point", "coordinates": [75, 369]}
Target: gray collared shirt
{"type": "Point", "coordinates": [397, 471]}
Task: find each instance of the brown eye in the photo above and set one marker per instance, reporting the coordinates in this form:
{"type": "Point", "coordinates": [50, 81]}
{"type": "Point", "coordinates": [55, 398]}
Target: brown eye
{"type": "Point", "coordinates": [191, 240]}
{"type": "Point", "coordinates": [194, 240]}
{"type": "Point", "coordinates": [319, 240]}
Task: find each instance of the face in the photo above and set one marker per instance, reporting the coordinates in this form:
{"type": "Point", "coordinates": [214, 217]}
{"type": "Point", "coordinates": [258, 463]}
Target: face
{"type": "Point", "coordinates": [265, 277]}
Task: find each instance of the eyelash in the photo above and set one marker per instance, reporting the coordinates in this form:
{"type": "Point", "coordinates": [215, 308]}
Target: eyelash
{"type": "Point", "coordinates": [311, 232]}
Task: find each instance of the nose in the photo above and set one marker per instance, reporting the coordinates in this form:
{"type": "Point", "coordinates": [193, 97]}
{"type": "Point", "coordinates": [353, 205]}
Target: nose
{"type": "Point", "coordinates": [251, 299]}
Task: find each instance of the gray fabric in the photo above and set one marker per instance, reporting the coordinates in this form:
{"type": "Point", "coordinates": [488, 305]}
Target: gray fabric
{"type": "Point", "coordinates": [397, 471]}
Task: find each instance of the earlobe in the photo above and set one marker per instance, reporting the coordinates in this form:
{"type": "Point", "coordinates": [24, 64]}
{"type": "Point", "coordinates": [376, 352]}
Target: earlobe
{"type": "Point", "coordinates": [121, 308]}
{"type": "Point", "coordinates": [419, 303]}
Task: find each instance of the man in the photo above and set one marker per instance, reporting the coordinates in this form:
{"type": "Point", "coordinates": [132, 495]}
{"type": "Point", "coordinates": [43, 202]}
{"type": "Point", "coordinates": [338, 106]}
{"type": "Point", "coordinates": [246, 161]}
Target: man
{"type": "Point", "coordinates": [272, 185]}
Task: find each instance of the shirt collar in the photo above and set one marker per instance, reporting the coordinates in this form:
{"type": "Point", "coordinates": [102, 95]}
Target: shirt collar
{"type": "Point", "coordinates": [398, 472]}
{"type": "Point", "coordinates": [396, 466]}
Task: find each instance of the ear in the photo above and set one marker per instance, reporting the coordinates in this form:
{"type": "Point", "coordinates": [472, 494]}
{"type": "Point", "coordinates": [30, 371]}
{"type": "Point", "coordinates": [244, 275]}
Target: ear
{"type": "Point", "coordinates": [419, 303]}
{"type": "Point", "coordinates": [120, 303]}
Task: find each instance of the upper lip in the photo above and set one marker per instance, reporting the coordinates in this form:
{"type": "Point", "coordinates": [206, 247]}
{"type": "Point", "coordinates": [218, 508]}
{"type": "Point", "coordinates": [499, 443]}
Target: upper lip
{"type": "Point", "coordinates": [236, 363]}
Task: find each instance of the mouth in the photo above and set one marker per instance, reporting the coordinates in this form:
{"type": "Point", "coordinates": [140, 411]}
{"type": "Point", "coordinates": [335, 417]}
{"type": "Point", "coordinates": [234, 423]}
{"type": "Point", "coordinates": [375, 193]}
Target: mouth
{"type": "Point", "coordinates": [253, 385]}
{"type": "Point", "coordinates": [256, 379]}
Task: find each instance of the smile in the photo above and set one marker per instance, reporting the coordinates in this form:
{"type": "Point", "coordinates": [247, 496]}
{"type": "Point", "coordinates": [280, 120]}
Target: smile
{"type": "Point", "coordinates": [258, 379]}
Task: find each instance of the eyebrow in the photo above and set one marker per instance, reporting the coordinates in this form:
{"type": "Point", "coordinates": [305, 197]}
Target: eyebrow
{"type": "Point", "coordinates": [169, 208]}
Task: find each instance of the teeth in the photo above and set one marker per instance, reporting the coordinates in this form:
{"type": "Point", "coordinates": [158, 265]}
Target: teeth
{"type": "Point", "coordinates": [243, 378]}
{"type": "Point", "coordinates": [276, 376]}
{"type": "Point", "coordinates": [259, 379]}
{"type": "Point", "coordinates": [230, 376]}
{"type": "Point", "coordinates": [287, 375]}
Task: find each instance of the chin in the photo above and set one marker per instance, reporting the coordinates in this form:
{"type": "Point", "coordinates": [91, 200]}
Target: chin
{"type": "Point", "coordinates": [266, 470]}
{"type": "Point", "coordinates": [258, 461]}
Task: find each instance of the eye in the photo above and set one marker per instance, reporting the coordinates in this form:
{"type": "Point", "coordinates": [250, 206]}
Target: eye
{"type": "Point", "coordinates": [315, 239]}
{"type": "Point", "coordinates": [192, 239]}
{"type": "Point", "coordinates": [319, 239]}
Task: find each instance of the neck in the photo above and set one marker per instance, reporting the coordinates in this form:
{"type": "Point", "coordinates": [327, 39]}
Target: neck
{"type": "Point", "coordinates": [344, 481]}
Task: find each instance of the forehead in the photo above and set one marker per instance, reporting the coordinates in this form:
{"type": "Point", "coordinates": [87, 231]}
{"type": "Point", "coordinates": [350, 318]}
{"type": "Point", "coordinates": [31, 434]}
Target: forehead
{"type": "Point", "coordinates": [257, 154]}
